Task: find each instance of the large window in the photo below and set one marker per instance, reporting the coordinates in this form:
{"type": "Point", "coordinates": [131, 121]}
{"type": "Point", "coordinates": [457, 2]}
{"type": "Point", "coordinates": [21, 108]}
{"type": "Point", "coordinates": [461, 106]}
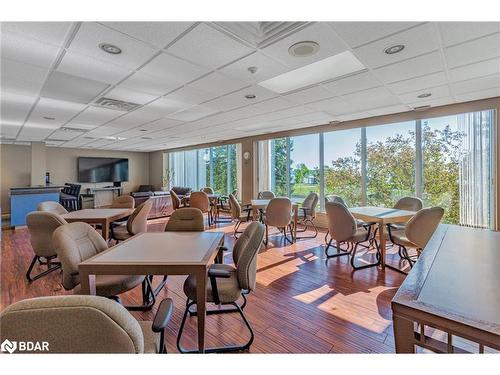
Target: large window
{"type": "Point", "coordinates": [445, 161]}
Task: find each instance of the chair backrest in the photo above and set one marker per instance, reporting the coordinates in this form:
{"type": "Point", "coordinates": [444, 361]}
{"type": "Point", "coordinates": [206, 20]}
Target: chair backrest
{"type": "Point", "coordinates": [186, 219]}
{"type": "Point", "coordinates": [266, 194]}
{"type": "Point", "coordinates": [138, 221]}
{"type": "Point", "coordinates": [176, 201]}
{"type": "Point", "coordinates": [409, 203]}
{"type": "Point", "coordinates": [179, 190]}
{"type": "Point", "coordinates": [74, 243]}
{"type": "Point", "coordinates": [41, 225]}
{"type": "Point", "coordinates": [279, 212]}
{"type": "Point", "coordinates": [73, 324]}
{"type": "Point", "coordinates": [341, 223]}
{"type": "Point", "coordinates": [235, 207]}
{"type": "Point", "coordinates": [199, 200]}
{"type": "Point", "coordinates": [310, 204]}
{"type": "Point", "coordinates": [245, 252]}
{"type": "Point", "coordinates": [420, 227]}
{"type": "Point", "coordinates": [207, 189]}
{"type": "Point", "coordinates": [52, 206]}
{"type": "Point", "coordinates": [334, 198]}
{"type": "Point", "coordinates": [123, 201]}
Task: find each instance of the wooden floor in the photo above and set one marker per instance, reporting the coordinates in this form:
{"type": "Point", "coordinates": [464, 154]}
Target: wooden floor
{"type": "Point", "coordinates": [303, 302]}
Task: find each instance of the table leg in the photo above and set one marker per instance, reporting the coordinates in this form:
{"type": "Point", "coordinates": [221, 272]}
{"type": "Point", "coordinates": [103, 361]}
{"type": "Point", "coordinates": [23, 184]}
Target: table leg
{"type": "Point", "coordinates": [382, 243]}
{"type": "Point", "coordinates": [201, 306]}
{"type": "Point", "coordinates": [295, 223]}
{"type": "Point", "coordinates": [87, 283]}
{"type": "Point", "coordinates": [404, 335]}
{"type": "Point", "coordinates": [105, 230]}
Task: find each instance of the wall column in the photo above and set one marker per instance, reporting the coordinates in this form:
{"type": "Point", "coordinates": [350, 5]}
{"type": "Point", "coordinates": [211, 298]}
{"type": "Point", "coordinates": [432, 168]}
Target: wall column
{"type": "Point", "coordinates": [38, 163]}
{"type": "Point", "coordinates": [247, 171]}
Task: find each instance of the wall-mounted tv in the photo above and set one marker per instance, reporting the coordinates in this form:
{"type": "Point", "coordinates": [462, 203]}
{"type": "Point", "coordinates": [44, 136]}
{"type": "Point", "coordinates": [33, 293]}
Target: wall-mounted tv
{"type": "Point", "coordinates": [102, 169]}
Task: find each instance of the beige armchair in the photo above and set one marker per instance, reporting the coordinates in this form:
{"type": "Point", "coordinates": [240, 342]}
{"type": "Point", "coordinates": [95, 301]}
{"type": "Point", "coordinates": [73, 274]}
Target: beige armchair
{"type": "Point", "coordinates": [417, 232]}
{"type": "Point", "coordinates": [187, 219]}
{"type": "Point", "coordinates": [238, 214]}
{"type": "Point", "coordinates": [84, 324]}
{"type": "Point", "coordinates": [76, 242]}
{"type": "Point", "coordinates": [136, 223]}
{"type": "Point", "coordinates": [344, 229]}
{"type": "Point", "coordinates": [308, 209]}
{"type": "Point", "coordinates": [123, 201]}
{"type": "Point", "coordinates": [52, 206]}
{"type": "Point", "coordinates": [199, 200]}
{"type": "Point", "coordinates": [228, 283]}
{"type": "Point", "coordinates": [279, 214]}
{"type": "Point", "coordinates": [41, 225]}
{"type": "Point", "coordinates": [266, 194]}
{"type": "Point", "coordinates": [176, 201]}
{"type": "Point", "coordinates": [409, 204]}
{"type": "Point", "coordinates": [207, 190]}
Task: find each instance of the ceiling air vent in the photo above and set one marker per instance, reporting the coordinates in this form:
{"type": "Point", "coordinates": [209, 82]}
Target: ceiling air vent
{"type": "Point", "coordinates": [115, 104]}
{"type": "Point", "coordinates": [422, 108]}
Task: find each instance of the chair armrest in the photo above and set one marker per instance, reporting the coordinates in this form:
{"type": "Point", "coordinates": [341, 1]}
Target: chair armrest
{"type": "Point", "coordinates": [163, 315]}
{"type": "Point", "coordinates": [214, 273]}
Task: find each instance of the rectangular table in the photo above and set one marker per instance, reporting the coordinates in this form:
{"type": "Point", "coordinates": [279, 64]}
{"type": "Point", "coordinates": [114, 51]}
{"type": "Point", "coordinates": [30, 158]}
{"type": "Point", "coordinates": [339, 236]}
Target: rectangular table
{"type": "Point", "coordinates": [102, 216]}
{"type": "Point", "coordinates": [453, 287]}
{"type": "Point", "coordinates": [382, 216]}
{"type": "Point", "coordinates": [159, 253]}
{"type": "Point", "coordinates": [261, 204]}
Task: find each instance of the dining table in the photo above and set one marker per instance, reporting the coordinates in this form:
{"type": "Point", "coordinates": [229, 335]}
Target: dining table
{"type": "Point", "coordinates": [259, 205]}
{"type": "Point", "coordinates": [382, 216]}
{"type": "Point", "coordinates": [159, 253]}
{"type": "Point", "coordinates": [101, 216]}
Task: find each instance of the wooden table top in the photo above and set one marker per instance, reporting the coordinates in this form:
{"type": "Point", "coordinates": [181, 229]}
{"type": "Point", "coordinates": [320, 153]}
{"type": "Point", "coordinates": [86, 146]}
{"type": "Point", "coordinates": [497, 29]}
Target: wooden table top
{"type": "Point", "coordinates": [457, 278]}
{"type": "Point", "coordinates": [161, 248]}
{"type": "Point", "coordinates": [261, 203]}
{"type": "Point", "coordinates": [97, 213]}
{"type": "Point", "coordinates": [381, 213]}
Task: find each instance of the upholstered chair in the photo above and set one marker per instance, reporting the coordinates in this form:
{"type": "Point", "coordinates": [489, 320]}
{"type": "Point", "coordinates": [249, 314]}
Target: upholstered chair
{"type": "Point", "coordinates": [41, 225]}
{"type": "Point", "coordinates": [228, 283]}
{"type": "Point", "coordinates": [84, 324]}
{"type": "Point", "coordinates": [207, 190]}
{"type": "Point", "coordinates": [266, 194]}
{"type": "Point", "coordinates": [334, 198]}
{"type": "Point", "coordinates": [308, 209]}
{"type": "Point", "coordinates": [78, 241]}
{"type": "Point", "coordinates": [123, 201]}
{"type": "Point", "coordinates": [137, 223]}
{"type": "Point", "coordinates": [279, 214]}
{"type": "Point", "coordinates": [52, 206]}
{"type": "Point", "coordinates": [344, 229]}
{"type": "Point", "coordinates": [409, 204]}
{"type": "Point", "coordinates": [417, 233]}
{"type": "Point", "coordinates": [199, 200]}
{"type": "Point", "coordinates": [187, 219]}
{"type": "Point", "coordinates": [176, 201]}
{"type": "Point", "coordinates": [238, 214]}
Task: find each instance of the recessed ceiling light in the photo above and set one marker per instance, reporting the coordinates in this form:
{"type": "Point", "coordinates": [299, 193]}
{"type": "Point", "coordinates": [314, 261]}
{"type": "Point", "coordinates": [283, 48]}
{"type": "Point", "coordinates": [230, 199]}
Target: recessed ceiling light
{"type": "Point", "coordinates": [252, 69]}
{"type": "Point", "coordinates": [303, 49]}
{"type": "Point", "coordinates": [250, 96]}
{"type": "Point", "coordinates": [143, 130]}
{"type": "Point", "coordinates": [424, 95]}
{"type": "Point", "coordinates": [391, 50]}
{"type": "Point", "coordinates": [332, 67]}
{"type": "Point", "coordinates": [49, 118]}
{"type": "Point", "coordinates": [146, 137]}
{"type": "Point", "coordinates": [110, 48]}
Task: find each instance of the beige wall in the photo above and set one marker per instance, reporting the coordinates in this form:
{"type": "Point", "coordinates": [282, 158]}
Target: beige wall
{"type": "Point", "coordinates": [61, 163]}
{"type": "Point", "coordinates": [156, 169]}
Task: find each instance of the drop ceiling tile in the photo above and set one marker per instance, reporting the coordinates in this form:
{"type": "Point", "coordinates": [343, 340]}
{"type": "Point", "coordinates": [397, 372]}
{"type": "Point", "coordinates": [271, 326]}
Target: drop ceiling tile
{"type": "Point", "coordinates": [359, 33]}
{"type": "Point", "coordinates": [173, 69]}
{"type": "Point", "coordinates": [353, 116]}
{"type": "Point", "coordinates": [417, 41]}
{"type": "Point", "coordinates": [164, 106]}
{"type": "Point", "coordinates": [23, 79]}
{"type": "Point", "coordinates": [482, 68]}
{"type": "Point", "coordinates": [473, 51]}
{"type": "Point", "coordinates": [103, 131]}
{"type": "Point", "coordinates": [476, 84]}
{"type": "Point", "coordinates": [320, 33]}
{"type": "Point", "coordinates": [163, 124]}
{"type": "Point", "coordinates": [271, 105]}
{"type": "Point", "coordinates": [437, 92]}
{"type": "Point", "coordinates": [237, 99]}
{"type": "Point", "coordinates": [28, 51]}
{"type": "Point", "coordinates": [53, 33]}
{"type": "Point", "coordinates": [218, 84]}
{"type": "Point", "coordinates": [193, 113]}
{"type": "Point", "coordinates": [432, 102]}
{"type": "Point", "coordinates": [389, 110]}
{"type": "Point", "coordinates": [84, 66]}
{"type": "Point", "coordinates": [358, 82]}
{"type": "Point", "coordinates": [415, 67]}
{"type": "Point", "coordinates": [33, 134]}
{"type": "Point", "coordinates": [130, 96]}
{"type": "Point", "coordinates": [9, 131]}
{"type": "Point", "coordinates": [477, 95]}
{"type": "Point", "coordinates": [458, 32]}
{"type": "Point", "coordinates": [158, 34]}
{"type": "Point", "coordinates": [96, 115]}
{"type": "Point", "coordinates": [266, 68]}
{"type": "Point", "coordinates": [418, 83]}
{"type": "Point", "coordinates": [309, 95]}
{"type": "Point", "coordinates": [64, 135]}
{"type": "Point", "coordinates": [72, 88]}
{"type": "Point", "coordinates": [371, 98]}
{"type": "Point", "coordinates": [208, 47]}
{"type": "Point", "coordinates": [189, 95]}
{"type": "Point", "coordinates": [14, 108]}
{"type": "Point", "coordinates": [60, 110]}
{"type": "Point", "coordinates": [153, 85]}
{"type": "Point", "coordinates": [136, 118]}
{"type": "Point", "coordinates": [91, 34]}
{"type": "Point", "coordinates": [334, 106]}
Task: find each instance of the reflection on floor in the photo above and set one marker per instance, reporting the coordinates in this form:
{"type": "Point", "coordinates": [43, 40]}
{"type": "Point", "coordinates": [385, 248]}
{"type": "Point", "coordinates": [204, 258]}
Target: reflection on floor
{"type": "Point", "coordinates": [304, 303]}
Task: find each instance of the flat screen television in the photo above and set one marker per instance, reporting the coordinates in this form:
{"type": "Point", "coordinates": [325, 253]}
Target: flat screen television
{"type": "Point", "coordinates": [102, 169]}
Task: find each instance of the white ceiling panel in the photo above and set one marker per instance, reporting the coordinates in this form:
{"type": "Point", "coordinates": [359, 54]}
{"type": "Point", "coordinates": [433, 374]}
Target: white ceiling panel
{"type": "Point", "coordinates": [476, 95]}
{"type": "Point", "coordinates": [479, 69]}
{"type": "Point", "coordinates": [53, 33]}
{"type": "Point", "coordinates": [476, 84]}
{"type": "Point", "coordinates": [208, 47]}
{"type": "Point", "coordinates": [173, 69]}
{"type": "Point", "coordinates": [473, 51]}
{"type": "Point", "coordinates": [131, 96]}
{"type": "Point", "coordinates": [358, 82]}
{"type": "Point", "coordinates": [72, 88]}
{"type": "Point", "coordinates": [158, 34]}
{"type": "Point", "coordinates": [271, 105]}
{"type": "Point", "coordinates": [91, 35]}
{"type": "Point", "coordinates": [103, 131]}
{"type": "Point", "coordinates": [359, 33]}
{"type": "Point", "coordinates": [319, 32]}
{"type": "Point", "coordinates": [309, 95]}
{"type": "Point", "coordinates": [193, 113]}
{"type": "Point", "coordinates": [415, 67]}
{"type": "Point", "coordinates": [218, 84]}
{"type": "Point", "coordinates": [9, 131]}
{"type": "Point", "coordinates": [417, 41]}
{"type": "Point", "coordinates": [14, 108]}
{"type": "Point", "coordinates": [436, 92]}
{"type": "Point", "coordinates": [334, 106]}
{"type": "Point", "coordinates": [371, 98]}
{"type": "Point", "coordinates": [458, 32]}
{"type": "Point", "coordinates": [419, 83]}
{"type": "Point", "coordinates": [23, 79]}
{"type": "Point", "coordinates": [164, 106]}
{"type": "Point", "coordinates": [189, 95]}
{"type": "Point", "coordinates": [64, 135]}
{"type": "Point", "coordinates": [28, 51]}
{"type": "Point", "coordinates": [432, 102]}
{"type": "Point", "coordinates": [389, 110]}
{"type": "Point", "coordinates": [153, 85]}
{"type": "Point", "coordinates": [34, 134]}
{"type": "Point", "coordinates": [96, 115]}
{"type": "Point", "coordinates": [138, 117]}
{"type": "Point", "coordinates": [266, 68]}
{"type": "Point", "coordinates": [161, 124]}
{"type": "Point", "coordinates": [61, 111]}
{"type": "Point", "coordinates": [237, 99]}
{"type": "Point", "coordinates": [87, 67]}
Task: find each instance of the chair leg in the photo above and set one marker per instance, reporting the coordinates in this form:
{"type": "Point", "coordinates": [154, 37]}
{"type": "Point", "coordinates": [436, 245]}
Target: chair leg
{"type": "Point", "coordinates": [285, 237]}
{"type": "Point", "coordinates": [50, 268]}
{"type": "Point", "coordinates": [267, 235]}
{"type": "Point", "coordinates": [148, 295]}
{"type": "Point", "coordinates": [353, 255]}
{"type": "Point", "coordinates": [340, 251]}
{"type": "Point", "coordinates": [304, 223]}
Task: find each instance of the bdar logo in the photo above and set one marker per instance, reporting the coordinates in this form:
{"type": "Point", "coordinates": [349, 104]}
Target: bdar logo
{"type": "Point", "coordinates": [8, 346]}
